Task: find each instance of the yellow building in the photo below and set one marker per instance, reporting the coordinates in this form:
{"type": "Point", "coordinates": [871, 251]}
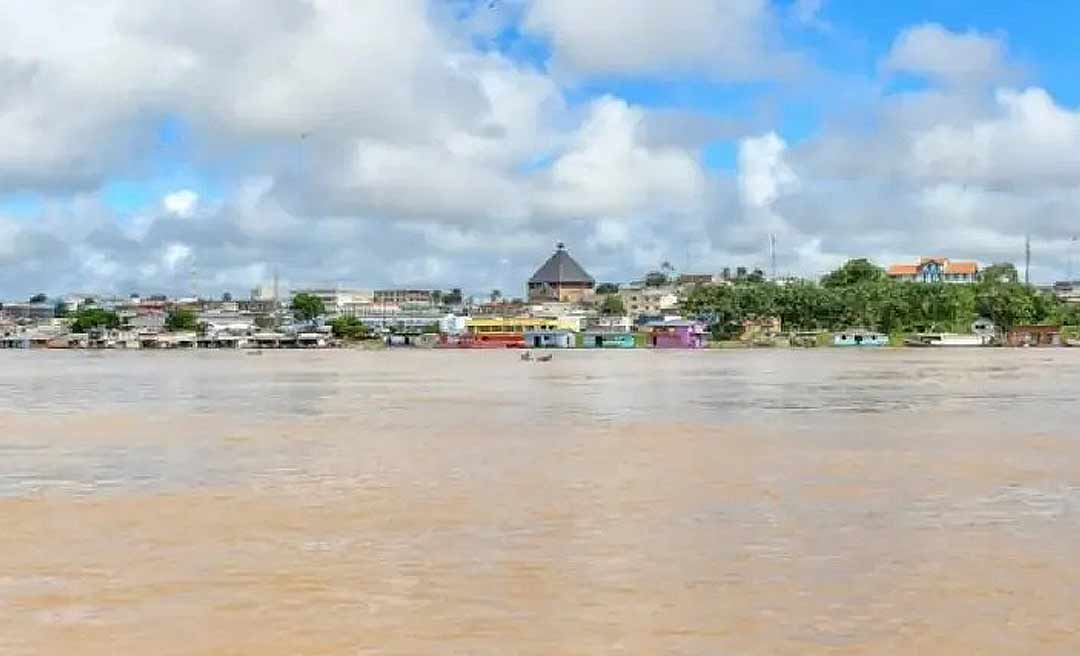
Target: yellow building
{"type": "Point", "coordinates": [515, 325]}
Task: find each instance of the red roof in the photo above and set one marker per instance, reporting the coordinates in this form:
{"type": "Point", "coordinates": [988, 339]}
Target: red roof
{"type": "Point", "coordinates": [961, 267]}
{"type": "Point", "coordinates": [949, 267]}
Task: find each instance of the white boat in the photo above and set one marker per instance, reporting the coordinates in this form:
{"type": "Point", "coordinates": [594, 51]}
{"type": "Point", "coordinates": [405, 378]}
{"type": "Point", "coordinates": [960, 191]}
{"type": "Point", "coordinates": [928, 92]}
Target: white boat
{"type": "Point", "coordinates": [944, 340]}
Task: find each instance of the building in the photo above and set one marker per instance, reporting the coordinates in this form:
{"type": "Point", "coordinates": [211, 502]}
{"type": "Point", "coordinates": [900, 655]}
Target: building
{"type": "Point", "coordinates": [494, 331]}
{"type": "Point", "coordinates": [859, 337]}
{"type": "Point", "coordinates": [690, 279]}
{"type": "Point", "coordinates": [549, 339]}
{"type": "Point", "coordinates": [936, 269]}
{"type": "Point", "coordinates": [676, 334]}
{"type": "Point", "coordinates": [603, 339]}
{"type": "Point", "coordinates": [561, 279]}
{"type": "Point", "coordinates": [336, 299]}
{"type": "Point", "coordinates": [1034, 336]}
{"type": "Point", "coordinates": [641, 300]}
{"type": "Point", "coordinates": [31, 311]}
{"type": "Point", "coordinates": [1067, 291]}
{"type": "Point", "coordinates": [426, 297]}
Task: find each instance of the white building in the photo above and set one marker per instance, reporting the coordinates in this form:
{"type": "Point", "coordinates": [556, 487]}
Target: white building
{"type": "Point", "coordinates": [640, 300]}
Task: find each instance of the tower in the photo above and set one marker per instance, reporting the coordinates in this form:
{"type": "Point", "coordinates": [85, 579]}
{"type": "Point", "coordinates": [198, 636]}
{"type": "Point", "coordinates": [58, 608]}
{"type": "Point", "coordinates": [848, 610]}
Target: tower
{"type": "Point", "coordinates": [1027, 259]}
{"type": "Point", "coordinates": [772, 256]}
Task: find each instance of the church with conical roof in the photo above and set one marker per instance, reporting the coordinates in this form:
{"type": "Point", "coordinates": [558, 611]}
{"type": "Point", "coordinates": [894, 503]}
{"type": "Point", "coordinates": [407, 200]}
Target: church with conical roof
{"type": "Point", "coordinates": [561, 279]}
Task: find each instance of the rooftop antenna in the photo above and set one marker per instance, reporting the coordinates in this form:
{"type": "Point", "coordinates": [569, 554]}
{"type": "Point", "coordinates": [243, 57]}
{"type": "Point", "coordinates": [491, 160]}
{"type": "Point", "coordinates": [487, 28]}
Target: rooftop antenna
{"type": "Point", "coordinates": [1027, 259]}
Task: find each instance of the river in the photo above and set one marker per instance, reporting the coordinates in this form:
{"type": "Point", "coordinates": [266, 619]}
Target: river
{"type": "Point", "coordinates": [429, 502]}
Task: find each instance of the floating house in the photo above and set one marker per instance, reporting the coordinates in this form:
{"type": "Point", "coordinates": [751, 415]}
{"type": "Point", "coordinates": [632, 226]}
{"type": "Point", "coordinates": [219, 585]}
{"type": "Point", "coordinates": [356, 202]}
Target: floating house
{"type": "Point", "coordinates": [499, 332]}
{"type": "Point", "coordinates": [860, 338]}
{"type": "Point", "coordinates": [607, 339]}
{"type": "Point", "coordinates": [1034, 336]}
{"type": "Point", "coordinates": [676, 334]}
{"type": "Point", "coordinates": [549, 339]}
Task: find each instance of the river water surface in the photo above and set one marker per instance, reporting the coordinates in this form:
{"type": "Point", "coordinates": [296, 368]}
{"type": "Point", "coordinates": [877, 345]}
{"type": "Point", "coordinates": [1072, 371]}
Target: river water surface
{"type": "Point", "coordinates": [757, 502]}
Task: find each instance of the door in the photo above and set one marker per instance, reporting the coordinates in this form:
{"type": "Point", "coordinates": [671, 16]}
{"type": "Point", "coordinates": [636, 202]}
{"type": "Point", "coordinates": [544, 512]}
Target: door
{"type": "Point", "coordinates": [598, 341]}
{"type": "Point", "coordinates": [537, 342]}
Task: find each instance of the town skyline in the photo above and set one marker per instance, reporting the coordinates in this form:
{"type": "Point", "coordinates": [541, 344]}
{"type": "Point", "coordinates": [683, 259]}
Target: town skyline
{"type": "Point", "coordinates": [438, 143]}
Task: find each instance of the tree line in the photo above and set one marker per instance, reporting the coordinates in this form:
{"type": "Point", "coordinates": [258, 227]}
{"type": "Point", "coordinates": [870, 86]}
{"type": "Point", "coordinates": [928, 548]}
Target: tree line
{"type": "Point", "coordinates": [860, 295]}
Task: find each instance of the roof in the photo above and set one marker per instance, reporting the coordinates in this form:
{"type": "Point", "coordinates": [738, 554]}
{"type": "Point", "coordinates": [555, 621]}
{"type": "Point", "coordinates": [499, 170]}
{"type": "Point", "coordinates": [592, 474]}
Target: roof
{"type": "Point", "coordinates": [948, 267]}
{"type": "Point", "coordinates": [961, 267]}
{"type": "Point", "coordinates": [560, 269]}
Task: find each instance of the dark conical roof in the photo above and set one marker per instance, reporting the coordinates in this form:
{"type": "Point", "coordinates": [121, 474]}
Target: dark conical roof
{"type": "Point", "coordinates": [561, 269]}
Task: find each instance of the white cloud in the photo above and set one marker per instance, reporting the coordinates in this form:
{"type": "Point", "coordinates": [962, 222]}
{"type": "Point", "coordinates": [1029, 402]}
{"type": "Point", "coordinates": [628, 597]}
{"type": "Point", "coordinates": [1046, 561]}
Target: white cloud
{"type": "Point", "coordinates": [609, 171]}
{"type": "Point", "coordinates": [728, 39]}
{"type": "Point", "coordinates": [934, 51]}
{"type": "Point", "coordinates": [763, 173]}
{"type": "Point", "coordinates": [181, 203]}
{"type": "Point", "coordinates": [174, 254]}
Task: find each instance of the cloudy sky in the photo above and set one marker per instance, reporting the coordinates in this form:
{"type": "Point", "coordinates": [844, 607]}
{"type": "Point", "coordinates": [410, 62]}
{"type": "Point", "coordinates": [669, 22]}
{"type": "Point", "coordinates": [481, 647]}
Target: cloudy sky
{"type": "Point", "coordinates": [152, 146]}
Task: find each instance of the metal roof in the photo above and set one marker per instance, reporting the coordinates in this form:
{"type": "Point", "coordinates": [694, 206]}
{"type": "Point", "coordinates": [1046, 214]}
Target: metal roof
{"type": "Point", "coordinates": [561, 269]}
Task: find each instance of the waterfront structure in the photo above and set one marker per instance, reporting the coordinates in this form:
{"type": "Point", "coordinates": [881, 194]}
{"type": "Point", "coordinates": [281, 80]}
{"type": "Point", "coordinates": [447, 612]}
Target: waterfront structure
{"type": "Point", "coordinates": [1034, 336]}
{"type": "Point", "coordinates": [676, 334]}
{"type": "Point", "coordinates": [603, 339]}
{"type": "Point", "coordinates": [509, 331]}
{"type": "Point", "coordinates": [936, 269]}
{"type": "Point", "coordinates": [860, 338]}
{"type": "Point", "coordinates": [549, 339]}
{"type": "Point", "coordinates": [561, 279]}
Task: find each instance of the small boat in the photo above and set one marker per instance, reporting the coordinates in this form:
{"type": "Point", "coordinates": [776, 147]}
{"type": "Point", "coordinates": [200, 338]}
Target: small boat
{"type": "Point", "coordinates": [946, 340]}
{"type": "Point", "coordinates": [526, 356]}
{"type": "Point", "coordinates": [257, 352]}
{"type": "Point", "coordinates": [545, 358]}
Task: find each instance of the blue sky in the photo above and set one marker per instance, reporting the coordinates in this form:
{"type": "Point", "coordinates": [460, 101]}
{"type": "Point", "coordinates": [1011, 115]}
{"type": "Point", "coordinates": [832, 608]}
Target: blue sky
{"type": "Point", "coordinates": [408, 144]}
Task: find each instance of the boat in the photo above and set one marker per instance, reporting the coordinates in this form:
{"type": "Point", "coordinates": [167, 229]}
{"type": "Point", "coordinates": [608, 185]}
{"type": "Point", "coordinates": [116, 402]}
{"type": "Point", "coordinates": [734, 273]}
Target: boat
{"type": "Point", "coordinates": [545, 358]}
{"type": "Point", "coordinates": [526, 356]}
{"type": "Point", "coordinates": [253, 352]}
{"type": "Point", "coordinates": [860, 338]}
{"type": "Point", "coordinates": [946, 340]}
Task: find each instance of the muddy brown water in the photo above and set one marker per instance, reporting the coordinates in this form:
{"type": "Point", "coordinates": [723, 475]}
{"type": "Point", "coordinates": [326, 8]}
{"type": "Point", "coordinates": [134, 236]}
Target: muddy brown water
{"type": "Point", "coordinates": [760, 502]}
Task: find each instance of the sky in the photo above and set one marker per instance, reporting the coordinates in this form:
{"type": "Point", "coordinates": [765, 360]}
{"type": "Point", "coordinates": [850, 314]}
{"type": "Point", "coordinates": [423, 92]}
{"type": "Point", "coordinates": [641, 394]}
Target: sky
{"type": "Point", "coordinates": [150, 146]}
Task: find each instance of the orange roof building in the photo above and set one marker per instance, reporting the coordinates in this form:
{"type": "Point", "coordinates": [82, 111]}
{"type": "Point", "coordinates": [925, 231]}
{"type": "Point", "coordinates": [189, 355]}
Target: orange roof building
{"type": "Point", "coordinates": [936, 269]}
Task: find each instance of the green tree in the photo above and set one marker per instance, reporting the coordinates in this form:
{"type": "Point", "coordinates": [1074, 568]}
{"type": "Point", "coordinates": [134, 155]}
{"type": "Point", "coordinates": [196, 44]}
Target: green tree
{"type": "Point", "coordinates": [38, 298]}
{"type": "Point", "coordinates": [1003, 272]}
{"type": "Point", "coordinates": [60, 310]}
{"type": "Point", "coordinates": [349, 328]}
{"type": "Point", "coordinates": [181, 320]}
{"type": "Point", "coordinates": [87, 319]}
{"type": "Point", "coordinates": [607, 288]}
{"type": "Point", "coordinates": [613, 306]}
{"type": "Point", "coordinates": [307, 307]}
{"type": "Point", "coordinates": [854, 272]}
